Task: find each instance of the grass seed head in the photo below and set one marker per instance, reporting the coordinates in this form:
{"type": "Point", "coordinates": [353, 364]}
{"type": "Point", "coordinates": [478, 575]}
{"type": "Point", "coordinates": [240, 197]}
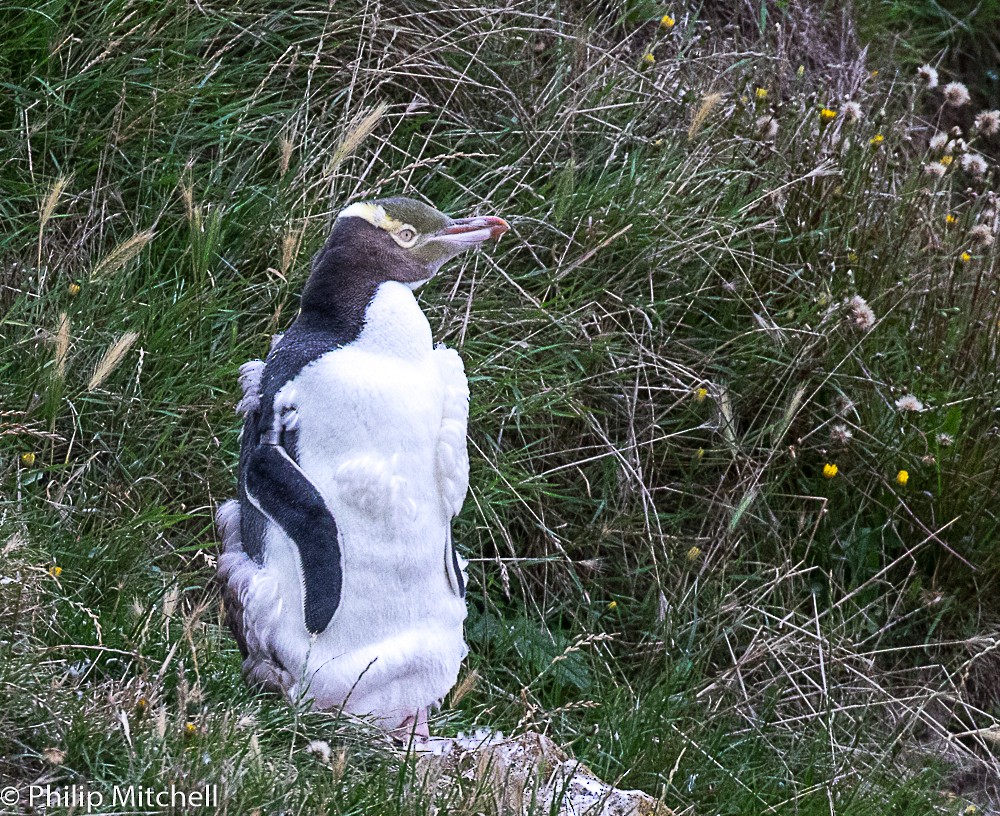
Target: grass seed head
{"type": "Point", "coordinates": [708, 104]}
{"type": "Point", "coordinates": [62, 346]}
{"type": "Point", "coordinates": [120, 256]}
{"type": "Point", "coordinates": [51, 200]}
{"type": "Point", "coordinates": [112, 359]}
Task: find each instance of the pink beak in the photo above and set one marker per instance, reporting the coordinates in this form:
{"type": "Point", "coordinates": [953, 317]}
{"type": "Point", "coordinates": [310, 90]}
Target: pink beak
{"type": "Point", "coordinates": [474, 230]}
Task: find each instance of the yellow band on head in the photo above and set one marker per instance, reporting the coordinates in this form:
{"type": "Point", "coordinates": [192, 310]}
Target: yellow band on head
{"type": "Point", "coordinates": [374, 214]}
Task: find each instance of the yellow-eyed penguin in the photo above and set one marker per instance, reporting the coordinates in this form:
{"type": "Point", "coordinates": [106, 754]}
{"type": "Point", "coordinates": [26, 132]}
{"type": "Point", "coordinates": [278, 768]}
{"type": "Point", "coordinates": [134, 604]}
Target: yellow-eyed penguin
{"type": "Point", "coordinates": [340, 579]}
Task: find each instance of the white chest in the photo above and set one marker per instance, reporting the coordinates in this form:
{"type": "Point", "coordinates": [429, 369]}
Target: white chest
{"type": "Point", "coordinates": [378, 398]}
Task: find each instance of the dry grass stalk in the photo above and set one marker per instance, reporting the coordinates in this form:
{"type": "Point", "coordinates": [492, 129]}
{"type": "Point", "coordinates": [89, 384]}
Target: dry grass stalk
{"type": "Point", "coordinates": [48, 207]}
{"type": "Point", "coordinates": [111, 359]}
{"type": "Point", "coordinates": [338, 764]}
{"type": "Point", "coordinates": [708, 104]}
{"type": "Point", "coordinates": [289, 250]}
{"type": "Point", "coordinates": [119, 257]}
{"type": "Point", "coordinates": [62, 345]}
{"type": "Point", "coordinates": [465, 685]}
{"type": "Point", "coordinates": [286, 145]}
{"type": "Point", "coordinates": [51, 200]}
{"type": "Point", "coordinates": [358, 130]}
{"type": "Point", "coordinates": [187, 196]}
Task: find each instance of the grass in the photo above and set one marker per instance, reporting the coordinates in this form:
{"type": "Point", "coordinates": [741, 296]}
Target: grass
{"type": "Point", "coordinates": [958, 35]}
{"type": "Point", "coordinates": [662, 359]}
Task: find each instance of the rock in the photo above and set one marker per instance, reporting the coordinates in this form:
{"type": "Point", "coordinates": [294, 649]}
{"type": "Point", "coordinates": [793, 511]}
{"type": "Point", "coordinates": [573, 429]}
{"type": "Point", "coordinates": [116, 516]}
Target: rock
{"type": "Point", "coordinates": [528, 774]}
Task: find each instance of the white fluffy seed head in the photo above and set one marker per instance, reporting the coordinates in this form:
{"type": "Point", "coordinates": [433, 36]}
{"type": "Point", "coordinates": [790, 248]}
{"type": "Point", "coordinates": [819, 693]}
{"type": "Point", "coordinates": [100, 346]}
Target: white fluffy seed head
{"type": "Point", "coordinates": [981, 235]}
{"type": "Point", "coordinates": [988, 122]}
{"type": "Point", "coordinates": [974, 165]}
{"type": "Point", "coordinates": [928, 75]}
{"type": "Point", "coordinates": [851, 111]}
{"type": "Point", "coordinates": [956, 94]}
{"type": "Point", "coordinates": [841, 434]}
{"type": "Point", "coordinates": [909, 403]}
{"type": "Point", "coordinates": [860, 313]}
{"type": "Point", "coordinates": [767, 127]}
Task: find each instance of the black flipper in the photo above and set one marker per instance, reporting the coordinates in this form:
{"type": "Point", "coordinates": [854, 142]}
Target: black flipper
{"type": "Point", "coordinates": [454, 567]}
{"type": "Point", "coordinates": [458, 572]}
{"type": "Point", "coordinates": [279, 488]}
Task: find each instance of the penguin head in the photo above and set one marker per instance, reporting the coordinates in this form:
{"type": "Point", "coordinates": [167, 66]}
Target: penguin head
{"type": "Point", "coordinates": [408, 241]}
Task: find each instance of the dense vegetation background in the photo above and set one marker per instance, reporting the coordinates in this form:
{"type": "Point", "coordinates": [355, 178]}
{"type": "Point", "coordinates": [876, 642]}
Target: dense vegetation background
{"type": "Point", "coordinates": [733, 521]}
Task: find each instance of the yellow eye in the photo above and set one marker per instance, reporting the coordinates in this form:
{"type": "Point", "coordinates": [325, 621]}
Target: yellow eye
{"type": "Point", "coordinates": [407, 235]}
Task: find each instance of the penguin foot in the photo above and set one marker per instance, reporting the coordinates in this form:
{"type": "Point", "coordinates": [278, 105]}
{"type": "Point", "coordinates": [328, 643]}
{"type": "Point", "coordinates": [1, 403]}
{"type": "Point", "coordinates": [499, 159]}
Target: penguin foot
{"type": "Point", "coordinates": [414, 730]}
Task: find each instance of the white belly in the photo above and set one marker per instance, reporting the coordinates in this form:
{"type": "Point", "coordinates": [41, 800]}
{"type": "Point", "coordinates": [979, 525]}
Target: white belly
{"type": "Point", "coordinates": [369, 424]}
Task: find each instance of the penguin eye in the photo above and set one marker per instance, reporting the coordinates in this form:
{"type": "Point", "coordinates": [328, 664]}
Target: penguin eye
{"type": "Point", "coordinates": [407, 235]}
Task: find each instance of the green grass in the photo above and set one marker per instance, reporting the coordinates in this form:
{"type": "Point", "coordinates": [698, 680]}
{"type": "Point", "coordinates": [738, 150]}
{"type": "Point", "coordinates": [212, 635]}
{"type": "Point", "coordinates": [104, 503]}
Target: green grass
{"type": "Point", "coordinates": [659, 352]}
{"type": "Point", "coordinates": [958, 36]}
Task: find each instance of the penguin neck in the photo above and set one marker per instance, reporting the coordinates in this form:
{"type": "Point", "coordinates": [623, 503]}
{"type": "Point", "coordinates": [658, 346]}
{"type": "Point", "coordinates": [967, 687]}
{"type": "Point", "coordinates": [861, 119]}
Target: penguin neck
{"type": "Point", "coordinates": [347, 274]}
{"type": "Point", "coordinates": [394, 325]}
{"type": "Point", "coordinates": [336, 296]}
{"type": "Point", "coordinates": [381, 317]}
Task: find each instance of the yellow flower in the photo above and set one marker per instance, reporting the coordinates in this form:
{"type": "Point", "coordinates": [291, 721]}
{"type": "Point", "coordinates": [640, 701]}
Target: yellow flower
{"type": "Point", "coordinates": [73, 289]}
{"type": "Point", "coordinates": [648, 59]}
{"type": "Point", "coordinates": [55, 571]}
{"type": "Point", "coordinates": [827, 115]}
{"type": "Point", "coordinates": [613, 605]}
{"type": "Point", "coordinates": [800, 71]}
{"type": "Point", "coordinates": [902, 478]}
{"type": "Point", "coordinates": [700, 394]}
{"type": "Point", "coordinates": [950, 219]}
{"type": "Point", "coordinates": [965, 257]}
{"type": "Point", "coordinates": [693, 553]}
{"type": "Point", "coordinates": [190, 729]}
{"type": "Point", "coordinates": [27, 459]}
{"type": "Point", "coordinates": [874, 74]}
{"type": "Point", "coordinates": [852, 257]}
{"type": "Point", "coordinates": [667, 22]}
{"type": "Point", "coordinates": [946, 160]}
{"type": "Point", "coordinates": [142, 705]}
{"type": "Point", "coordinates": [877, 139]}
{"type": "Point", "coordinates": [829, 471]}
{"type": "Point", "coordinates": [971, 810]}
{"type": "Point", "coordinates": [761, 93]}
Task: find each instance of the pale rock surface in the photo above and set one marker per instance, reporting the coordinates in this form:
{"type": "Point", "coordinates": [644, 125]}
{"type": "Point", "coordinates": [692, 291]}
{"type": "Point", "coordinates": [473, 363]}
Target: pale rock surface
{"type": "Point", "coordinates": [522, 776]}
